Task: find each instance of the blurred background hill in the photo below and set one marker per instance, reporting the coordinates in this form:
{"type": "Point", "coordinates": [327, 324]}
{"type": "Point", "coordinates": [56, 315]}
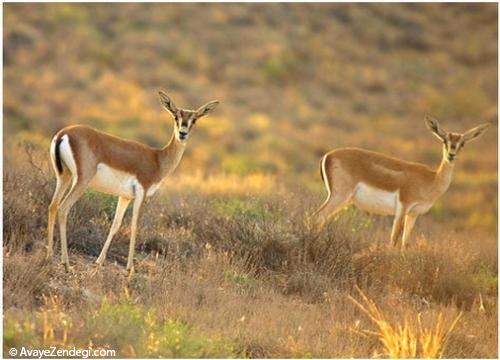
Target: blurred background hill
{"type": "Point", "coordinates": [294, 80]}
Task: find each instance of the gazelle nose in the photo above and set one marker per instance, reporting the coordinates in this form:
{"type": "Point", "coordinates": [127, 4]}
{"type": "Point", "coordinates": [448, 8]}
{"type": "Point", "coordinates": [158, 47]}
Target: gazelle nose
{"type": "Point", "coordinates": [183, 134]}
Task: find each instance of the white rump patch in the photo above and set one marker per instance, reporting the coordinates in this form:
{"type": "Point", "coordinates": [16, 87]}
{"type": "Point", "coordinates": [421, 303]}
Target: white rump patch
{"type": "Point", "coordinates": [67, 156]}
{"type": "Point", "coordinates": [115, 182]}
{"type": "Point", "coordinates": [325, 177]}
{"type": "Point", "coordinates": [375, 200]}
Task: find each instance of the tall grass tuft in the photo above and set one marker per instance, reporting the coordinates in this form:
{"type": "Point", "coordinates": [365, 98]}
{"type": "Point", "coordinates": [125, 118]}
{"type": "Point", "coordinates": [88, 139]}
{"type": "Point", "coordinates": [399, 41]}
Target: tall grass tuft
{"type": "Point", "coordinates": [407, 340]}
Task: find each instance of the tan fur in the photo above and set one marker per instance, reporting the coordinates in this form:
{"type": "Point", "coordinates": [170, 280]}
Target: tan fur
{"type": "Point", "coordinates": [413, 181]}
{"type": "Point", "coordinates": [91, 147]}
{"type": "Point", "coordinates": [350, 173]}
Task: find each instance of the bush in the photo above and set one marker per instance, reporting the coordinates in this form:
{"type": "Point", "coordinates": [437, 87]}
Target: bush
{"type": "Point", "coordinates": [124, 326]}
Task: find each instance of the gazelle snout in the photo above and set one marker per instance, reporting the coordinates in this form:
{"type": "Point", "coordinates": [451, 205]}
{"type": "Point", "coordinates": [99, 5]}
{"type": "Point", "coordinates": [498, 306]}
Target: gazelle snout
{"type": "Point", "coordinates": [453, 143]}
{"type": "Point", "coordinates": [183, 133]}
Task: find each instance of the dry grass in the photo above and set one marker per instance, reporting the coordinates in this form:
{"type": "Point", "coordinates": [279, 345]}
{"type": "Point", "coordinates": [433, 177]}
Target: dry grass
{"type": "Point", "coordinates": [406, 340]}
{"type": "Point", "coordinates": [241, 276]}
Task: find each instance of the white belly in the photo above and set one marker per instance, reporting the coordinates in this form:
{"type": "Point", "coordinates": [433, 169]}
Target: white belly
{"type": "Point", "coordinates": [115, 182]}
{"type": "Point", "coordinates": [375, 200]}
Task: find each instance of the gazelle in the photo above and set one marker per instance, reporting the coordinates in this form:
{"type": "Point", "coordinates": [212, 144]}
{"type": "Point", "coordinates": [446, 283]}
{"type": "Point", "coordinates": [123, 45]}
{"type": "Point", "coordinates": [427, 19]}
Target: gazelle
{"type": "Point", "coordinates": [84, 157]}
{"type": "Point", "coordinates": [385, 185]}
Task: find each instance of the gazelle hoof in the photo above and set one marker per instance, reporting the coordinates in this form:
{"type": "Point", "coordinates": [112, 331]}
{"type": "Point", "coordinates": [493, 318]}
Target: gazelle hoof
{"type": "Point", "coordinates": [67, 267]}
{"type": "Point", "coordinates": [95, 270]}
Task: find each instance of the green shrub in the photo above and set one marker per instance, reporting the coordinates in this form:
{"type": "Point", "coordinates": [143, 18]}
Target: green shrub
{"type": "Point", "coordinates": [124, 326]}
{"type": "Point", "coordinates": [235, 207]}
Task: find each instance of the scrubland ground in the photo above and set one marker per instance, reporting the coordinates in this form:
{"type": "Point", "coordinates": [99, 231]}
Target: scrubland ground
{"type": "Point", "coordinates": [226, 267]}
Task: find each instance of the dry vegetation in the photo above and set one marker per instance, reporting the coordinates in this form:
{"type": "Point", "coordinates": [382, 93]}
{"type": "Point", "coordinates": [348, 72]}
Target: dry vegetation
{"type": "Point", "coordinates": [225, 265]}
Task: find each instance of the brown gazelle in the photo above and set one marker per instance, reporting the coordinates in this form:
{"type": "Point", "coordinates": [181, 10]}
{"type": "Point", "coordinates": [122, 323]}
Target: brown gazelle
{"type": "Point", "coordinates": [385, 185]}
{"type": "Point", "coordinates": [84, 157]}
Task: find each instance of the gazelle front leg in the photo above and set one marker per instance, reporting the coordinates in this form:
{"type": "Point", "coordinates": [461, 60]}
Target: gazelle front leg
{"type": "Point", "coordinates": [121, 208]}
{"type": "Point", "coordinates": [409, 223]}
{"type": "Point", "coordinates": [397, 225]}
{"type": "Point", "coordinates": [139, 198]}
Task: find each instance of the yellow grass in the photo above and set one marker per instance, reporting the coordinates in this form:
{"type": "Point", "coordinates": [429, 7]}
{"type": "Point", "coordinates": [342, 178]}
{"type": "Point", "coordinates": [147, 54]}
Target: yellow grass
{"type": "Point", "coordinates": [407, 340]}
{"type": "Point", "coordinates": [228, 184]}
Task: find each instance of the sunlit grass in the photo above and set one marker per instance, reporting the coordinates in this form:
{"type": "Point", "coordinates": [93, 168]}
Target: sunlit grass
{"type": "Point", "coordinates": [406, 340]}
{"type": "Point", "coordinates": [124, 326]}
{"type": "Point", "coordinates": [228, 184]}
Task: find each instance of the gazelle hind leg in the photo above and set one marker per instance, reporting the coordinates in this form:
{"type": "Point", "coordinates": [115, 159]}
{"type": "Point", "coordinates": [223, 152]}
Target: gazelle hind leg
{"type": "Point", "coordinates": [121, 207]}
{"type": "Point", "coordinates": [336, 199]}
{"type": "Point", "coordinates": [63, 182]}
{"type": "Point", "coordinates": [139, 198]}
{"type": "Point", "coordinates": [330, 207]}
{"type": "Point", "coordinates": [76, 191]}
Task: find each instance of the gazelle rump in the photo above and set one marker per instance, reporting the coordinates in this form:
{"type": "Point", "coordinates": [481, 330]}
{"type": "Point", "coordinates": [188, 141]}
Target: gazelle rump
{"type": "Point", "coordinates": [385, 185]}
{"type": "Point", "coordinates": [83, 157]}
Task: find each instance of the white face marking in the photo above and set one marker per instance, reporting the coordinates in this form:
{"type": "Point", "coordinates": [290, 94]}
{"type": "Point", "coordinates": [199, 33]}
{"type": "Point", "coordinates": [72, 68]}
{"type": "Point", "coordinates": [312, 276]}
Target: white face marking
{"type": "Point", "coordinates": [67, 155]}
{"type": "Point", "coordinates": [115, 182]}
{"type": "Point", "coordinates": [183, 128]}
{"type": "Point", "coordinates": [375, 200]}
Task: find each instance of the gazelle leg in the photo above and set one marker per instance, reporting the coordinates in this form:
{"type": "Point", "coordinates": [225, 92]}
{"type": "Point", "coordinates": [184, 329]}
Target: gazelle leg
{"type": "Point", "coordinates": [133, 232]}
{"type": "Point", "coordinates": [121, 207]}
{"type": "Point", "coordinates": [73, 195]}
{"type": "Point", "coordinates": [409, 223]}
{"type": "Point", "coordinates": [332, 205]}
{"type": "Point", "coordinates": [397, 225]}
{"type": "Point", "coordinates": [63, 182]}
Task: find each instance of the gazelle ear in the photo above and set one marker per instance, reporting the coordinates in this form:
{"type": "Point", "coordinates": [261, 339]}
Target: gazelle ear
{"type": "Point", "coordinates": [205, 109]}
{"type": "Point", "coordinates": [476, 132]}
{"type": "Point", "coordinates": [167, 103]}
{"type": "Point", "coordinates": [435, 128]}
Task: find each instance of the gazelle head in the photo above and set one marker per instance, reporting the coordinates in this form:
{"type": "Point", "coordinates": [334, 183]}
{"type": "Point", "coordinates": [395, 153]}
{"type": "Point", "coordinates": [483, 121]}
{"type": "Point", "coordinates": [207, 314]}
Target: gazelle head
{"type": "Point", "coordinates": [184, 119]}
{"type": "Point", "coordinates": [453, 142]}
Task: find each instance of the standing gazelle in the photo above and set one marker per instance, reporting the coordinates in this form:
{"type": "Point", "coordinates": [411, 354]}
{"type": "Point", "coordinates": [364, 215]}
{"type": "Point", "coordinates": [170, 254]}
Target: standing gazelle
{"type": "Point", "coordinates": [85, 157]}
{"type": "Point", "coordinates": [385, 185]}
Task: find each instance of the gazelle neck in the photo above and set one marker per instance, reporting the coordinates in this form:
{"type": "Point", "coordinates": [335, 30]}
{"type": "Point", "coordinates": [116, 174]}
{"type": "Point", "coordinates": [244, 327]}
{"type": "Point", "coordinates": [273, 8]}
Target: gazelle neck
{"type": "Point", "coordinates": [170, 155]}
{"type": "Point", "coordinates": [444, 174]}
